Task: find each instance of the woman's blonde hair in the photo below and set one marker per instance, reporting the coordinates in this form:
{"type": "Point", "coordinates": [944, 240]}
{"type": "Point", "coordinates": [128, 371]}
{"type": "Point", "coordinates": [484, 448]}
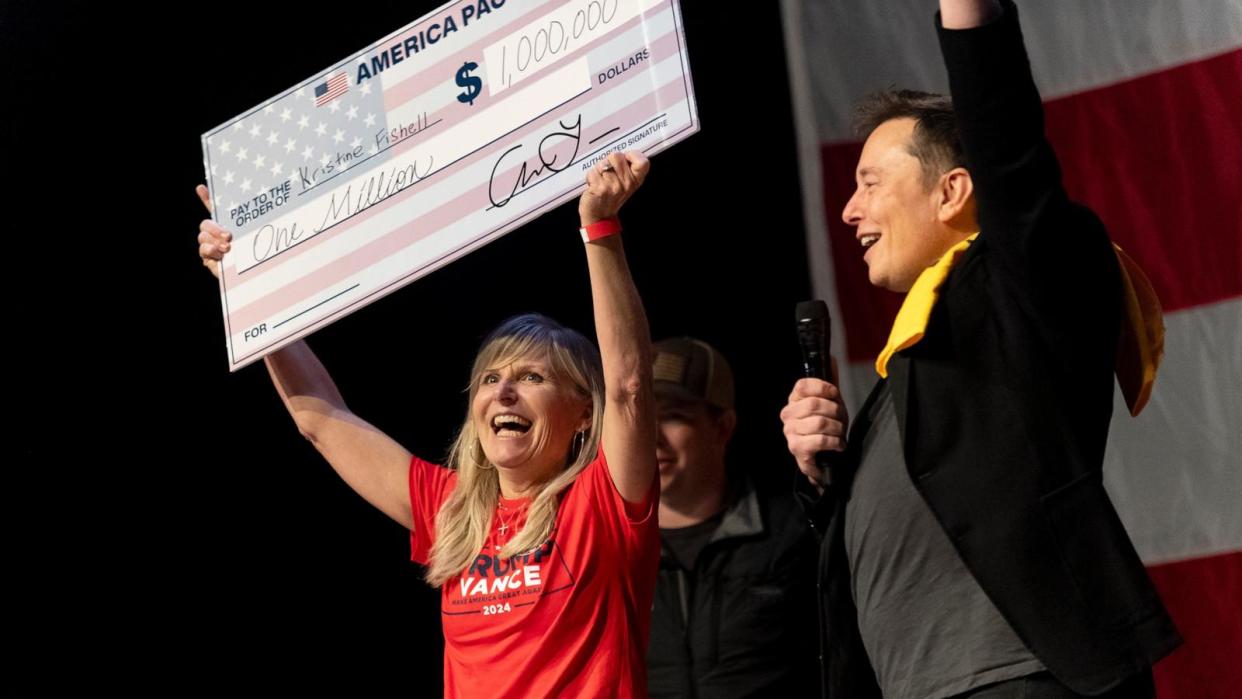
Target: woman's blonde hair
{"type": "Point", "coordinates": [463, 521]}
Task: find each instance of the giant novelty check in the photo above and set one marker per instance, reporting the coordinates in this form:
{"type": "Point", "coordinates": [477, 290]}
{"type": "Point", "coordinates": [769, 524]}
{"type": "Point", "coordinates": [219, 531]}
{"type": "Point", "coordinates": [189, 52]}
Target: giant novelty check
{"type": "Point", "coordinates": [430, 143]}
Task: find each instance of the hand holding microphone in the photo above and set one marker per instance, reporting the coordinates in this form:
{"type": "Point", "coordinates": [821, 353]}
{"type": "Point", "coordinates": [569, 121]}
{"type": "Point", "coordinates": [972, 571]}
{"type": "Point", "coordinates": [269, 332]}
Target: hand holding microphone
{"type": "Point", "coordinates": [815, 419]}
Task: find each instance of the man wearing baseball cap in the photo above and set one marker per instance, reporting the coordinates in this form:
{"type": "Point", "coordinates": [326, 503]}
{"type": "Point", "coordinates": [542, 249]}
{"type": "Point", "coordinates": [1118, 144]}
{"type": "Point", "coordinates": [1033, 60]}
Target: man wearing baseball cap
{"type": "Point", "coordinates": [734, 611]}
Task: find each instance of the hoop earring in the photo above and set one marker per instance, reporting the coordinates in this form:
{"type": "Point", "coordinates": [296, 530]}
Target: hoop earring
{"type": "Point", "coordinates": [482, 465]}
{"type": "Point", "coordinates": [579, 443]}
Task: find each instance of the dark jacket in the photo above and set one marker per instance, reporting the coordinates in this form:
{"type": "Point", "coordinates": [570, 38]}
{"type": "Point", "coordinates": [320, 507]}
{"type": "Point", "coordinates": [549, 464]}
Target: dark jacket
{"type": "Point", "coordinates": [742, 623]}
{"type": "Point", "coordinates": [1003, 407]}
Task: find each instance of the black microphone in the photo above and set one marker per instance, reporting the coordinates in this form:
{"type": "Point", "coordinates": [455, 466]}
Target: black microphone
{"type": "Point", "coordinates": [814, 337]}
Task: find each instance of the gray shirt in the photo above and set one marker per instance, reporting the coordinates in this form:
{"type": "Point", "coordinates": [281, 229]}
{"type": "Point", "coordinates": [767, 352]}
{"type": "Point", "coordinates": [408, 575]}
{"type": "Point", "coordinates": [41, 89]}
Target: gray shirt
{"type": "Point", "coordinates": [929, 629]}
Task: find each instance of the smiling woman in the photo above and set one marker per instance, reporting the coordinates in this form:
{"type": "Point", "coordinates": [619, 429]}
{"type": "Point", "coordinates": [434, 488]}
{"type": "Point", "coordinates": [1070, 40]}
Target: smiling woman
{"type": "Point", "coordinates": [535, 391]}
{"type": "Point", "coordinates": [541, 531]}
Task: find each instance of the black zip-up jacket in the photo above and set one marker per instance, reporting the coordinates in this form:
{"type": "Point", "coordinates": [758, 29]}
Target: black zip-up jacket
{"type": "Point", "coordinates": [742, 623]}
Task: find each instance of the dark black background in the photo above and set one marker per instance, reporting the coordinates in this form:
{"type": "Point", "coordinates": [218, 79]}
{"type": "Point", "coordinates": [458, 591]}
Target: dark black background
{"type": "Point", "coordinates": [170, 520]}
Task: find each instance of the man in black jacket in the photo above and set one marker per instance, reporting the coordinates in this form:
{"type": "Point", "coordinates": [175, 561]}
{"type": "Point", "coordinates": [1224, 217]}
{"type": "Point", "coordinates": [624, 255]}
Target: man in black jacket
{"type": "Point", "coordinates": [733, 612]}
{"type": "Point", "coordinates": [968, 546]}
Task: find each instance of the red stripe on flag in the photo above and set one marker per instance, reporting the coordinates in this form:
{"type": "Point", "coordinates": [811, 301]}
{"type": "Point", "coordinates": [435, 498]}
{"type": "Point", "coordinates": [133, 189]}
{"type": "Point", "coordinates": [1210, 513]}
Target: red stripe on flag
{"type": "Point", "coordinates": [1156, 157]}
{"type": "Point", "coordinates": [1159, 158]}
{"type": "Point", "coordinates": [1204, 595]}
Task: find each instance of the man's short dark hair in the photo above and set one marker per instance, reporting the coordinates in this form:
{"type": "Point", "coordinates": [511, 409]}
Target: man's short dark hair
{"type": "Point", "coordinates": [936, 141]}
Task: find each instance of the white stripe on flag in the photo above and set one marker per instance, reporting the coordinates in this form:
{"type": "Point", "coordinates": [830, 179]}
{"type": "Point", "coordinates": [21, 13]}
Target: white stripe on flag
{"type": "Point", "coordinates": [1175, 471]}
{"type": "Point", "coordinates": [859, 47]}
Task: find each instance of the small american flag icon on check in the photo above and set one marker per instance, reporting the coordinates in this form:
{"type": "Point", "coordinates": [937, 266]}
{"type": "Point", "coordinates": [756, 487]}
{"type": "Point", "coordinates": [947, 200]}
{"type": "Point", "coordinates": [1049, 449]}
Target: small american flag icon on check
{"type": "Point", "coordinates": [330, 89]}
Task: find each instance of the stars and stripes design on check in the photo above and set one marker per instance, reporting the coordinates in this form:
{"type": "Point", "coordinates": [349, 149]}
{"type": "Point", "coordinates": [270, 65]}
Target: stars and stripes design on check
{"type": "Point", "coordinates": [268, 146]}
{"type": "Point", "coordinates": [406, 115]}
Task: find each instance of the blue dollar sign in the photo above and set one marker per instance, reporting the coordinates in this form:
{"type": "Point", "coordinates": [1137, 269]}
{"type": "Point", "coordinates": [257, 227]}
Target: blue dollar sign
{"type": "Point", "coordinates": [473, 84]}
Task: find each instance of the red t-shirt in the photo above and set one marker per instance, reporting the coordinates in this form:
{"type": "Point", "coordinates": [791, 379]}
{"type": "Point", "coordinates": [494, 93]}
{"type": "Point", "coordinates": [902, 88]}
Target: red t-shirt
{"type": "Point", "coordinates": [570, 618]}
